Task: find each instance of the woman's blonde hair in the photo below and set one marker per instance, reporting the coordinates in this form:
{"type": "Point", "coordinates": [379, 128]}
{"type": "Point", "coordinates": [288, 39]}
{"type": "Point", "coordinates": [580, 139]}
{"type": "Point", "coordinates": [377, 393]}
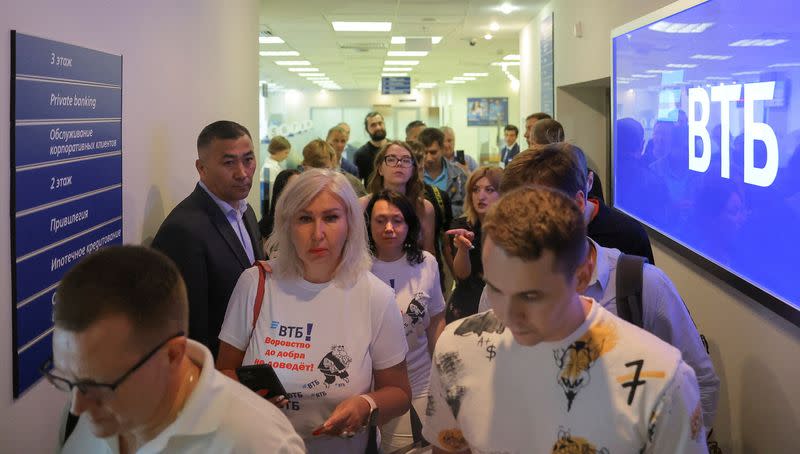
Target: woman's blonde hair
{"type": "Point", "coordinates": [355, 257]}
{"type": "Point", "coordinates": [493, 174]}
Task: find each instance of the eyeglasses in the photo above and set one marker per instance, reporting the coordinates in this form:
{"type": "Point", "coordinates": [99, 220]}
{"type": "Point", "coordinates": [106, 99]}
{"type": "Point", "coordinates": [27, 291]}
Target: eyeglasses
{"type": "Point", "coordinates": [91, 389]}
{"type": "Point", "coordinates": [394, 161]}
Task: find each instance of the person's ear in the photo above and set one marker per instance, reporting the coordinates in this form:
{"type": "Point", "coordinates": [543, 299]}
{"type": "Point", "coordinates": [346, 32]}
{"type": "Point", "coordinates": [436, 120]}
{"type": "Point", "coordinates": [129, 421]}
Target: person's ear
{"type": "Point", "coordinates": [580, 199]}
{"type": "Point", "coordinates": [201, 170]}
{"type": "Point", "coordinates": [176, 350]}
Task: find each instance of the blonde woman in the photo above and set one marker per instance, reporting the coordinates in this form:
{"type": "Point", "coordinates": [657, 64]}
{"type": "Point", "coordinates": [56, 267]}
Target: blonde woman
{"type": "Point", "coordinates": [329, 328]}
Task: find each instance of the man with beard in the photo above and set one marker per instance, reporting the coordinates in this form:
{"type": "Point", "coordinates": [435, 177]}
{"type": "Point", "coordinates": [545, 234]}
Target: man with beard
{"type": "Point", "coordinates": [365, 156]}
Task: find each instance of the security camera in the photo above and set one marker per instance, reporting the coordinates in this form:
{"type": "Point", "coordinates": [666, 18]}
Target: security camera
{"type": "Point", "coordinates": [473, 41]}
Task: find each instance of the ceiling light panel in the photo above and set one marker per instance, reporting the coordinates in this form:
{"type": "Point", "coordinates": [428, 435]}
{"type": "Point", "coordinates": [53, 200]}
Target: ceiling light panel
{"type": "Point", "coordinates": [394, 74]}
{"type": "Point", "coordinates": [279, 53]}
{"type": "Point", "coordinates": [303, 69]}
{"type": "Point", "coordinates": [342, 26]}
{"type": "Point", "coordinates": [407, 53]}
{"type": "Point", "coordinates": [711, 57]}
{"type": "Point", "coordinates": [293, 63]}
{"type": "Point", "coordinates": [476, 74]}
{"type": "Point", "coordinates": [397, 69]}
{"type": "Point", "coordinates": [758, 42]}
{"type": "Point", "coordinates": [401, 63]}
{"type": "Point", "coordinates": [269, 40]}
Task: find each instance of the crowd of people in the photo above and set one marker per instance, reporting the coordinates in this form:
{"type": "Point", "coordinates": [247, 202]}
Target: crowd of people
{"type": "Point", "coordinates": [403, 294]}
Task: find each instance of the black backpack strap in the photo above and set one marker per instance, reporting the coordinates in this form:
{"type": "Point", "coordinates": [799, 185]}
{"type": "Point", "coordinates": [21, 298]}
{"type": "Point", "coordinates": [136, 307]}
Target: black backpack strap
{"type": "Point", "coordinates": [629, 288]}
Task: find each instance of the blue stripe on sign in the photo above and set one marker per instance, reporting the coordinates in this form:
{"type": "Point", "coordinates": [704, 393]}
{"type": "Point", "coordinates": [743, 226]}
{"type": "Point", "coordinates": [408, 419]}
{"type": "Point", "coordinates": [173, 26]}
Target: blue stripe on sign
{"type": "Point", "coordinates": [45, 185]}
{"type": "Point", "coordinates": [34, 318]}
{"type": "Point", "coordinates": [38, 56]}
{"type": "Point", "coordinates": [43, 270]}
{"type": "Point", "coordinates": [44, 143]}
{"type": "Point", "coordinates": [38, 229]}
{"type": "Point", "coordinates": [39, 101]}
{"type": "Point", "coordinates": [28, 363]}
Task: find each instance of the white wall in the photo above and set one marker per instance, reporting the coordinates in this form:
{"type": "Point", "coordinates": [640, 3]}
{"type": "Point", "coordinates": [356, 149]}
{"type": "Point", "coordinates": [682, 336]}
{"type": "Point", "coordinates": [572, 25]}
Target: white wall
{"type": "Point", "coordinates": [453, 102]}
{"type": "Point", "coordinates": [755, 352]}
{"type": "Point", "coordinates": [186, 64]}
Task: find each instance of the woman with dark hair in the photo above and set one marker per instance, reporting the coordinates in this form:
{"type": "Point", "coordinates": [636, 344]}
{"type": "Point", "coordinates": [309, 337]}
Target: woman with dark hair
{"type": "Point", "coordinates": [283, 178]}
{"type": "Point", "coordinates": [414, 276]}
{"type": "Point", "coordinates": [482, 193]}
{"type": "Point", "coordinates": [397, 169]}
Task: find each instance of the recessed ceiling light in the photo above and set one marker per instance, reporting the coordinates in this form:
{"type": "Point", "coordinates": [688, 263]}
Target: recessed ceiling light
{"type": "Point", "coordinates": [675, 27]}
{"type": "Point", "coordinates": [494, 26]}
{"type": "Point", "coordinates": [269, 40]}
{"type": "Point", "coordinates": [488, 36]}
{"type": "Point", "coordinates": [455, 82]}
{"type": "Point", "coordinates": [279, 53]}
{"type": "Point", "coordinates": [711, 57]}
{"type": "Point", "coordinates": [397, 69]}
{"type": "Point", "coordinates": [745, 73]}
{"type": "Point", "coordinates": [643, 76]}
{"type": "Point", "coordinates": [681, 65]}
{"type": "Point", "coordinates": [718, 78]}
{"type": "Point", "coordinates": [293, 63]}
{"type": "Point", "coordinates": [394, 74]}
{"type": "Point", "coordinates": [758, 42]}
{"type": "Point", "coordinates": [506, 8]}
{"type": "Point", "coordinates": [303, 69]}
{"type": "Point", "coordinates": [343, 26]}
{"type": "Point", "coordinates": [784, 65]}
{"type": "Point", "coordinates": [426, 84]}
{"type": "Point", "coordinates": [476, 74]}
{"type": "Point", "coordinates": [311, 74]}
{"type": "Point", "coordinates": [401, 62]}
{"type": "Point", "coordinates": [402, 39]}
{"type": "Point", "coordinates": [406, 53]}
{"type": "Point", "coordinates": [464, 78]}
{"type": "Point", "coordinates": [511, 57]}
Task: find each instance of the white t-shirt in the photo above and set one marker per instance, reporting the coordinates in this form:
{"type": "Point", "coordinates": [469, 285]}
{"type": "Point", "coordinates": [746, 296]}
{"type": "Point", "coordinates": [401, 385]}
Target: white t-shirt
{"type": "Point", "coordinates": [274, 168]}
{"type": "Point", "coordinates": [323, 342]}
{"type": "Point", "coordinates": [419, 296]}
{"type": "Point", "coordinates": [220, 416]}
{"type": "Point", "coordinates": [608, 387]}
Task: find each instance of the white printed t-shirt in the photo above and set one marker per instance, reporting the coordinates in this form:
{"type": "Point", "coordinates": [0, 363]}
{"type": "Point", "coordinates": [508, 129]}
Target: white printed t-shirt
{"type": "Point", "coordinates": [418, 294]}
{"type": "Point", "coordinates": [608, 387]}
{"type": "Point", "coordinates": [323, 342]}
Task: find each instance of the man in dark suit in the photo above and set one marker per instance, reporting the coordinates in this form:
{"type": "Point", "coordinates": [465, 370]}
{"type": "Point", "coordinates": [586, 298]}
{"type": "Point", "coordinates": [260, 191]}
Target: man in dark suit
{"type": "Point", "coordinates": [213, 235]}
{"type": "Point", "coordinates": [511, 148]}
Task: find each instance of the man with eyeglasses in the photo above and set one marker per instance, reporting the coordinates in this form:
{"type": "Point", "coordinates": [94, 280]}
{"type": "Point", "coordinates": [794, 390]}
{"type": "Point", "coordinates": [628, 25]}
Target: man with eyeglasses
{"type": "Point", "coordinates": [137, 383]}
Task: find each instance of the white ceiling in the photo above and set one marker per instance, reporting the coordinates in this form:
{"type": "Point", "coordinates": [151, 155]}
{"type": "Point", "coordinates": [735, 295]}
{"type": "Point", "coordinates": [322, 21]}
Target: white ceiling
{"type": "Point", "coordinates": [354, 60]}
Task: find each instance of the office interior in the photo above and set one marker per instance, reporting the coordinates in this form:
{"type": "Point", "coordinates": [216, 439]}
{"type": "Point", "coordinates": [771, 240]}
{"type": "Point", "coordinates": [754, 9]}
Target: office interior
{"type": "Point", "coordinates": [186, 64]}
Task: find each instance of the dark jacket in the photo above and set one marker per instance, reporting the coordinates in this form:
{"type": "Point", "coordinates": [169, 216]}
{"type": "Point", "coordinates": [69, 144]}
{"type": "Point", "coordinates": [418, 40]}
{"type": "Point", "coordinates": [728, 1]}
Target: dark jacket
{"type": "Point", "coordinates": [199, 239]}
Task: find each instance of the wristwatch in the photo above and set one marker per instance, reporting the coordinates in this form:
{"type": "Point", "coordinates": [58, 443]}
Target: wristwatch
{"type": "Point", "coordinates": [372, 419]}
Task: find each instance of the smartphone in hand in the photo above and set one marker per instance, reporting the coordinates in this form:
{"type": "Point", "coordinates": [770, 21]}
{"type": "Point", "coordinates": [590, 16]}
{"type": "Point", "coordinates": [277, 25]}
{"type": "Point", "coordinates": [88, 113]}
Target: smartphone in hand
{"type": "Point", "coordinates": [261, 376]}
{"type": "Point", "coordinates": [460, 157]}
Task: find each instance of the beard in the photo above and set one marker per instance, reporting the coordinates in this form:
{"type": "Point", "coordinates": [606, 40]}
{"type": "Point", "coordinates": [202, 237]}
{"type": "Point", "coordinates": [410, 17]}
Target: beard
{"type": "Point", "coordinates": [378, 135]}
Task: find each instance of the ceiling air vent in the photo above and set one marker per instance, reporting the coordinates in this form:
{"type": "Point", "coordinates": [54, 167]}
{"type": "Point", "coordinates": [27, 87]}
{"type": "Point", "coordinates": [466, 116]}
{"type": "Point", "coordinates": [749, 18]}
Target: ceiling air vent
{"type": "Point", "coordinates": [362, 46]}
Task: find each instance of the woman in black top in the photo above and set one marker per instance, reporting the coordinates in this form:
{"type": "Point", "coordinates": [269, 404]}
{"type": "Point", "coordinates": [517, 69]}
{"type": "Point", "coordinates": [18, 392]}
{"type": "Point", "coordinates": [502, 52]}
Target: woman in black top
{"type": "Point", "coordinates": [482, 192]}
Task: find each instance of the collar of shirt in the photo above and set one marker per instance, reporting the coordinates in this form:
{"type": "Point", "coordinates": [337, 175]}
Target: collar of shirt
{"type": "Point", "coordinates": [441, 180]}
{"type": "Point", "coordinates": [225, 206]}
{"type": "Point", "coordinates": [203, 411]}
{"type": "Point", "coordinates": [602, 266]}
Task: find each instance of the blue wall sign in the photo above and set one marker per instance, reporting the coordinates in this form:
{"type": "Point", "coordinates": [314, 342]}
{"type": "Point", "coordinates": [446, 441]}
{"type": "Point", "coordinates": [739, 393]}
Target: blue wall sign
{"type": "Point", "coordinates": [66, 182]}
{"type": "Point", "coordinates": [395, 85]}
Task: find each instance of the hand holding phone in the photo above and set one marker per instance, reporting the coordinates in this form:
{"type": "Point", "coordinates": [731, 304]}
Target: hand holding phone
{"type": "Point", "coordinates": [460, 157]}
{"type": "Point", "coordinates": [260, 377]}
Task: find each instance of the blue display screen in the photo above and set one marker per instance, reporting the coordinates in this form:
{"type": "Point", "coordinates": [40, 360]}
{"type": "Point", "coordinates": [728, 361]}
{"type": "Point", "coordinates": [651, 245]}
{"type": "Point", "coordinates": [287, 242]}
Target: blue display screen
{"type": "Point", "coordinates": [707, 133]}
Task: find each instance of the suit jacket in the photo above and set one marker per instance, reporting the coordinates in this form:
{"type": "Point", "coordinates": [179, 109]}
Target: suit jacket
{"type": "Point", "coordinates": [197, 236]}
{"type": "Point", "coordinates": [506, 154]}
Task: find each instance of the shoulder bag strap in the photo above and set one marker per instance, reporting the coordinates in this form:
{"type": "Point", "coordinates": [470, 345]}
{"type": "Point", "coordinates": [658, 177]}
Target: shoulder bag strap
{"type": "Point", "coordinates": [629, 288]}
